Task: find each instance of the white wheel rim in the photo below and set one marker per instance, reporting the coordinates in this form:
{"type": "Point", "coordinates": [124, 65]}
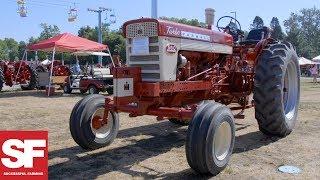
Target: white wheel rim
{"type": "Point", "coordinates": [222, 141]}
{"type": "Point", "coordinates": [106, 128]}
{"type": "Point", "coordinates": [91, 91]}
{"type": "Point", "coordinates": [290, 91]}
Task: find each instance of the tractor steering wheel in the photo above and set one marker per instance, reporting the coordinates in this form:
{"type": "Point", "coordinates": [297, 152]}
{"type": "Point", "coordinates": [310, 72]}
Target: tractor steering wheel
{"type": "Point", "coordinates": [234, 24]}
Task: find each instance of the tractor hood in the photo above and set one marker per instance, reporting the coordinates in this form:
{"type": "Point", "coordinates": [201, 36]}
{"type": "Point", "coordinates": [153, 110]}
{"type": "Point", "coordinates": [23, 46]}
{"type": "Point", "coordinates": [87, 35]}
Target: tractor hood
{"type": "Point", "coordinates": [172, 29]}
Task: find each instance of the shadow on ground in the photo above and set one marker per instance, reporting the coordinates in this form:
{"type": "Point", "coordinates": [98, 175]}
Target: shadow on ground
{"type": "Point", "coordinates": [164, 137]}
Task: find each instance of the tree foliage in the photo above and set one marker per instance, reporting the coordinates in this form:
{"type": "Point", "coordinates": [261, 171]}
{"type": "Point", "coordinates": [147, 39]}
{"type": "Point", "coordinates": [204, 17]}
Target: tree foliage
{"type": "Point", "coordinates": [257, 23]}
{"type": "Point", "coordinates": [48, 31]}
{"type": "Point", "coordinates": [9, 49]}
{"type": "Point", "coordinates": [303, 30]}
{"type": "Point", "coordinates": [114, 39]}
{"type": "Point", "coordinates": [276, 29]}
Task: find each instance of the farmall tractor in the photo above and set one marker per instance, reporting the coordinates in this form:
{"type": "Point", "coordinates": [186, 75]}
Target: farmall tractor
{"type": "Point", "coordinates": [200, 77]}
{"type": "Point", "coordinates": [21, 72]}
{"type": "Point", "coordinates": [58, 68]}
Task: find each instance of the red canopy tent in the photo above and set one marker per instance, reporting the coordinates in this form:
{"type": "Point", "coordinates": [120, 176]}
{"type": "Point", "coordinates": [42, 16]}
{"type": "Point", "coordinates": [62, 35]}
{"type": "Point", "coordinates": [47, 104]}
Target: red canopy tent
{"type": "Point", "coordinates": [66, 42]}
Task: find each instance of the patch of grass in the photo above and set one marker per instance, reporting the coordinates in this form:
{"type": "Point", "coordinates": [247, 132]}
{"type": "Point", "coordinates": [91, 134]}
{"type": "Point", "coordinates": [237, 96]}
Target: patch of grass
{"type": "Point", "coordinates": [228, 170]}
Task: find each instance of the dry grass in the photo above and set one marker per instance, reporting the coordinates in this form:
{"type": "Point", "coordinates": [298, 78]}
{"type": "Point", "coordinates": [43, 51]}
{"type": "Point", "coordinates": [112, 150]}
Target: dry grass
{"type": "Point", "coordinates": [148, 149]}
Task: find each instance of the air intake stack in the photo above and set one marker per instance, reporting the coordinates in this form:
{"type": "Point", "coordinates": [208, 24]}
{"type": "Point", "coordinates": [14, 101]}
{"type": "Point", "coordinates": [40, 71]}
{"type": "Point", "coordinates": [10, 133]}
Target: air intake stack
{"type": "Point", "coordinates": [210, 17]}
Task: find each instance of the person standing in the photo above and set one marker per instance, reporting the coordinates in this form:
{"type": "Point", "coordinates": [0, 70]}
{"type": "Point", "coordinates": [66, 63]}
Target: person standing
{"type": "Point", "coordinates": [314, 73]}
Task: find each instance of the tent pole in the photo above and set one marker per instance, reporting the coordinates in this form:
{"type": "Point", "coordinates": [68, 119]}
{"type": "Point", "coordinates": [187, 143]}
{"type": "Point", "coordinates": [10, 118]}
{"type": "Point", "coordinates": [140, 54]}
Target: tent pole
{"type": "Point", "coordinates": [111, 58]}
{"type": "Point", "coordinates": [24, 55]}
{"type": "Point", "coordinates": [51, 71]}
{"type": "Point", "coordinates": [62, 59]}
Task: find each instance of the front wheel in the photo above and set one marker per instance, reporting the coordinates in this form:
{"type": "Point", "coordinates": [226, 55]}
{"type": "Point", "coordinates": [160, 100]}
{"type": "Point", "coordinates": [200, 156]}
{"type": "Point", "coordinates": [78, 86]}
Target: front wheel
{"type": "Point", "coordinates": [210, 138]}
{"type": "Point", "coordinates": [67, 89]}
{"type": "Point", "coordinates": [88, 127]}
{"type": "Point", "coordinates": [93, 90]}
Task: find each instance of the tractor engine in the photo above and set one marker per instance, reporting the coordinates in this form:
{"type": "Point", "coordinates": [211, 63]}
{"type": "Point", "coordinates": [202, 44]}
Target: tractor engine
{"type": "Point", "coordinates": [168, 51]}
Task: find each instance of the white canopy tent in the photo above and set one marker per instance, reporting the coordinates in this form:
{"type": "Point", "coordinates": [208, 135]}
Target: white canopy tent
{"type": "Point", "coordinates": [304, 61]}
{"type": "Point", "coordinates": [316, 58]}
{"type": "Point", "coordinates": [90, 53]}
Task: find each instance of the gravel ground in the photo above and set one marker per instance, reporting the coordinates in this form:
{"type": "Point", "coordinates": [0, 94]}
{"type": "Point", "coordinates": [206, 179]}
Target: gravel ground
{"type": "Point", "coordinates": [147, 149]}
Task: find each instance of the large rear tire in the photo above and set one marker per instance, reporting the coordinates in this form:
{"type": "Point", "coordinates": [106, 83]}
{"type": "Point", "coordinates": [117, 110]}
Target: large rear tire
{"type": "Point", "coordinates": [87, 126]}
{"type": "Point", "coordinates": [1, 79]}
{"type": "Point", "coordinates": [277, 90]}
{"type": "Point", "coordinates": [33, 82]}
{"type": "Point", "coordinates": [210, 138]}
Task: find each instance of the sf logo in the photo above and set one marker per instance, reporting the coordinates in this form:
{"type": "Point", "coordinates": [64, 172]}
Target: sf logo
{"type": "Point", "coordinates": [22, 153]}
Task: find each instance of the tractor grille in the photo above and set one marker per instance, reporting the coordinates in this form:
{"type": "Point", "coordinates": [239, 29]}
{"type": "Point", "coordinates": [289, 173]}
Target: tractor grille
{"type": "Point", "coordinates": [146, 29]}
{"type": "Point", "coordinates": [150, 64]}
{"type": "Point", "coordinates": [150, 67]}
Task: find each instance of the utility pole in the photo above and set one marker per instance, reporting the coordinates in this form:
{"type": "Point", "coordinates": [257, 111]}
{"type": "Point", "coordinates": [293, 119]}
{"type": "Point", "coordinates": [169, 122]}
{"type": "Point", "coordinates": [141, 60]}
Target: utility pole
{"type": "Point", "coordinates": [154, 9]}
{"type": "Point", "coordinates": [99, 11]}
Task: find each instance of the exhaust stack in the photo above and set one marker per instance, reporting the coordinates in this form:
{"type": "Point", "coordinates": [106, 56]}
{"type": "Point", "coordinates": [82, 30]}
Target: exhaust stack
{"type": "Point", "coordinates": [210, 17]}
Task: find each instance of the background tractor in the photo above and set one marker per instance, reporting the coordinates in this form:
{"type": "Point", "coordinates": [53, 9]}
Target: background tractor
{"type": "Point", "coordinates": [20, 72]}
{"type": "Point", "coordinates": [200, 77]}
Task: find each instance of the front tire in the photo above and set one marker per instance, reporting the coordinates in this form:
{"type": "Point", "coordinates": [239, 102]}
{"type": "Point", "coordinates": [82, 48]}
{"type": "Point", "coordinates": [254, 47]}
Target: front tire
{"type": "Point", "coordinates": [93, 90]}
{"type": "Point", "coordinates": [87, 126]}
{"type": "Point", "coordinates": [67, 89]}
{"type": "Point", "coordinates": [277, 90]}
{"type": "Point", "coordinates": [210, 138]}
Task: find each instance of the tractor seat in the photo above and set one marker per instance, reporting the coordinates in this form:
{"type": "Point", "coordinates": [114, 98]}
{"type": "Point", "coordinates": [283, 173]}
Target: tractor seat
{"type": "Point", "coordinates": [256, 35]}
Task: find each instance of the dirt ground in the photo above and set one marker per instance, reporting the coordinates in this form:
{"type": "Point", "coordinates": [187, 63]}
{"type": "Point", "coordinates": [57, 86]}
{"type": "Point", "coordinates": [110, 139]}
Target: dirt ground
{"type": "Point", "coordinates": [148, 149]}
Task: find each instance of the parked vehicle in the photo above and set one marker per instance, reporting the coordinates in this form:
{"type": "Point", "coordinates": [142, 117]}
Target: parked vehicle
{"type": "Point", "coordinates": [199, 77]}
{"type": "Point", "coordinates": [100, 81]}
{"type": "Point", "coordinates": [19, 72]}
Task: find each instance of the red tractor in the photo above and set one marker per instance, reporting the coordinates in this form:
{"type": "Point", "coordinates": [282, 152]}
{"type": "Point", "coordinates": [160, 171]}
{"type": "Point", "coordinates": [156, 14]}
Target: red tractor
{"type": "Point", "coordinates": [58, 68]}
{"type": "Point", "coordinates": [17, 73]}
{"type": "Point", "coordinates": [200, 77]}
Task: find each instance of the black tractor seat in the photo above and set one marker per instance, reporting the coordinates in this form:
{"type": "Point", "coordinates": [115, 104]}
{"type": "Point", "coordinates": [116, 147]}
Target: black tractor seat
{"type": "Point", "coordinates": [256, 35]}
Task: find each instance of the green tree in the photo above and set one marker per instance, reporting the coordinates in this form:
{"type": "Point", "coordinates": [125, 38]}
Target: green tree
{"type": "Point", "coordinates": [257, 23]}
{"type": "Point", "coordinates": [192, 22]}
{"type": "Point", "coordinates": [276, 29]}
{"type": "Point", "coordinates": [9, 49]}
{"type": "Point", "coordinates": [116, 43]}
{"type": "Point", "coordinates": [303, 30]}
{"type": "Point", "coordinates": [22, 47]}
{"type": "Point", "coordinates": [3, 51]}
{"type": "Point", "coordinates": [114, 39]}
{"type": "Point", "coordinates": [48, 31]}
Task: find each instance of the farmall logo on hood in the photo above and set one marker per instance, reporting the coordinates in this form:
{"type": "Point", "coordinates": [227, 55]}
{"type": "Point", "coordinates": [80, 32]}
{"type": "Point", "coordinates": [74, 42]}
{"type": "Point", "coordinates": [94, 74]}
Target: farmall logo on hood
{"type": "Point", "coordinates": [173, 31]}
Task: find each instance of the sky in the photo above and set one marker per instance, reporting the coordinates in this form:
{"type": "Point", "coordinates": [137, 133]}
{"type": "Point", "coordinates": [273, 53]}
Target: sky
{"type": "Point", "coordinates": [55, 12]}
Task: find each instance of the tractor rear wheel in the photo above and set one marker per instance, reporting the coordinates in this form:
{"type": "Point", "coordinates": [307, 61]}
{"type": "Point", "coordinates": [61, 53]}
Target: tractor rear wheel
{"type": "Point", "coordinates": [210, 138]}
{"type": "Point", "coordinates": [33, 81]}
{"type": "Point", "coordinates": [1, 79]}
{"type": "Point", "coordinates": [87, 126]}
{"type": "Point", "coordinates": [277, 90]}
